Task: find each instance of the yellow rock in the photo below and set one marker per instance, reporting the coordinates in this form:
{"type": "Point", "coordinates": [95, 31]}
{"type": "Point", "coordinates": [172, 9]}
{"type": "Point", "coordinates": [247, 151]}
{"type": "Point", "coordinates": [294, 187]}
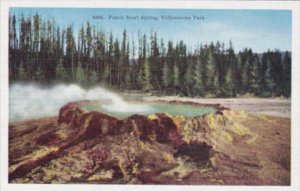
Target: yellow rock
{"type": "Point", "coordinates": [228, 137]}
{"type": "Point", "coordinates": [103, 176]}
{"type": "Point", "coordinates": [152, 117]}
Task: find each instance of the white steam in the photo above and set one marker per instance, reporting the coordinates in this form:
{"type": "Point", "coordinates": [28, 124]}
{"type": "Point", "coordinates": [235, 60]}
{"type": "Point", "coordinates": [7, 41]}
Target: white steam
{"type": "Point", "coordinates": [28, 101]}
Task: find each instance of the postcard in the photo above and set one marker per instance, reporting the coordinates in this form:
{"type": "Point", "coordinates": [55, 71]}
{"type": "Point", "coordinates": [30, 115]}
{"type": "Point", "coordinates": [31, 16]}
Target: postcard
{"type": "Point", "coordinates": [149, 95]}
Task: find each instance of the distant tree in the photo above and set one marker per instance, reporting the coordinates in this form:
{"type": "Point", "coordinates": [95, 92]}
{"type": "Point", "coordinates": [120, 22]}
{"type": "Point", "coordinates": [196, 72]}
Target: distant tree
{"type": "Point", "coordinates": [146, 78]}
{"type": "Point", "coordinates": [124, 63]}
{"type": "Point", "coordinates": [254, 76]}
{"type": "Point", "coordinates": [80, 75]}
{"type": "Point", "coordinates": [22, 73]}
{"type": "Point", "coordinates": [165, 77]}
{"type": "Point", "coordinates": [36, 38]}
{"type": "Point", "coordinates": [126, 74]}
{"type": "Point", "coordinates": [155, 63]}
{"type": "Point", "coordinates": [238, 85]}
{"type": "Point", "coordinates": [134, 69]}
{"type": "Point", "coordinates": [170, 61]}
{"type": "Point", "coordinates": [41, 50]}
{"type": "Point", "coordinates": [61, 73]}
{"type": "Point", "coordinates": [269, 81]}
{"type": "Point", "coordinates": [277, 71]}
{"type": "Point", "coordinates": [287, 74]}
{"type": "Point", "coordinates": [70, 50]}
{"type": "Point", "coordinates": [211, 73]}
{"type": "Point", "coordinates": [93, 78]}
{"type": "Point", "coordinates": [230, 80]}
{"type": "Point", "coordinates": [108, 69]}
{"type": "Point", "coordinates": [175, 78]}
{"type": "Point", "coordinates": [13, 48]}
{"type": "Point", "coordinates": [116, 69]}
{"type": "Point", "coordinates": [198, 87]}
{"type": "Point", "coordinates": [39, 75]}
{"type": "Point", "coordinates": [228, 87]}
{"type": "Point", "coordinates": [189, 78]}
{"type": "Point", "coordinates": [88, 50]}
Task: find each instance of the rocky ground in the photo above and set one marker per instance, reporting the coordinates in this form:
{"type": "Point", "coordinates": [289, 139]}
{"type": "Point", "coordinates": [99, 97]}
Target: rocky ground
{"type": "Point", "coordinates": [230, 147]}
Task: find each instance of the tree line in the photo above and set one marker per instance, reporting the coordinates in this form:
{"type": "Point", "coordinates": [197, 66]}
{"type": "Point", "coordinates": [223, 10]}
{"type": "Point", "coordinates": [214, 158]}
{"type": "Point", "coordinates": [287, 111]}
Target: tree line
{"type": "Point", "coordinates": [40, 50]}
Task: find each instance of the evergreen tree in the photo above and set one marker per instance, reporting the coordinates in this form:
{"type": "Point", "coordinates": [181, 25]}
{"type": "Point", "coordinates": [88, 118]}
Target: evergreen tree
{"type": "Point", "coordinates": [124, 63]}
{"type": "Point", "coordinates": [61, 73]}
{"type": "Point", "coordinates": [211, 73]}
{"type": "Point", "coordinates": [42, 51]}
{"type": "Point", "coordinates": [175, 78]}
{"type": "Point", "coordinates": [269, 81]}
{"type": "Point", "coordinates": [165, 77]}
{"type": "Point", "coordinates": [70, 49]}
{"type": "Point", "coordinates": [198, 87]}
{"type": "Point", "coordinates": [88, 50]}
{"type": "Point", "coordinates": [230, 82]}
{"type": "Point", "coordinates": [36, 29]}
{"type": "Point", "coordinates": [116, 69]}
{"type": "Point", "coordinates": [245, 78]}
{"type": "Point", "coordinates": [227, 88]}
{"type": "Point", "coordinates": [147, 86]}
{"type": "Point", "coordinates": [189, 78]}
{"type": "Point", "coordinates": [254, 76]}
{"type": "Point", "coordinates": [22, 76]}
{"type": "Point", "coordinates": [238, 85]}
{"type": "Point", "coordinates": [80, 75]}
{"type": "Point", "coordinates": [154, 63]}
{"type": "Point", "coordinates": [39, 75]}
{"type": "Point", "coordinates": [93, 78]}
{"type": "Point", "coordinates": [277, 71]}
{"type": "Point", "coordinates": [133, 68]}
{"type": "Point", "coordinates": [13, 48]}
{"type": "Point", "coordinates": [287, 74]}
{"type": "Point", "coordinates": [108, 70]}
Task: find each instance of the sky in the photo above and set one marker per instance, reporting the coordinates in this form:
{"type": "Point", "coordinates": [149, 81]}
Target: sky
{"type": "Point", "coordinates": [257, 29]}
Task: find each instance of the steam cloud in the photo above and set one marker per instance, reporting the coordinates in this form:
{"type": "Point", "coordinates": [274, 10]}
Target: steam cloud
{"type": "Point", "coordinates": [28, 101]}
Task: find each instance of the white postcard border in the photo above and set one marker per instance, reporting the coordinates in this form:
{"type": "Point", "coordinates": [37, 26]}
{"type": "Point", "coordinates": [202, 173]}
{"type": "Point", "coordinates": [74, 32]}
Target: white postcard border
{"type": "Point", "coordinates": [295, 114]}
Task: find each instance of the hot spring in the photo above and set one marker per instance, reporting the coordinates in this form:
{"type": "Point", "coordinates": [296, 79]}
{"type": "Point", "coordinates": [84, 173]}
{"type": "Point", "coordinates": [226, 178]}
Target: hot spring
{"type": "Point", "coordinates": [150, 108]}
{"type": "Point", "coordinates": [29, 101]}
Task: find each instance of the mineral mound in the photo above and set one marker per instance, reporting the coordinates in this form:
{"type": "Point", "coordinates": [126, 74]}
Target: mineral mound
{"type": "Point", "coordinates": [226, 147]}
